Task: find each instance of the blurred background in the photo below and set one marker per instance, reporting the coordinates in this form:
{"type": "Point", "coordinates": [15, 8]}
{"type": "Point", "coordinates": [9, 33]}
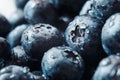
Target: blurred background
{"type": "Point", "coordinates": [7, 7]}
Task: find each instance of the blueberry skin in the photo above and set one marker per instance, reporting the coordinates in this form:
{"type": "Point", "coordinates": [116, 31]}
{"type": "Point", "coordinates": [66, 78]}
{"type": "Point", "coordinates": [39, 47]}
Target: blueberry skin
{"type": "Point", "coordinates": [21, 3]}
{"type": "Point", "coordinates": [19, 57]}
{"type": "Point", "coordinates": [39, 11]}
{"type": "Point", "coordinates": [39, 38]}
{"type": "Point", "coordinates": [14, 72]}
{"type": "Point", "coordinates": [17, 18]}
{"type": "Point", "coordinates": [108, 69]}
{"type": "Point", "coordinates": [110, 35]}
{"type": "Point", "coordinates": [5, 26]}
{"type": "Point", "coordinates": [14, 37]}
{"type": "Point", "coordinates": [106, 8]}
{"type": "Point", "coordinates": [62, 63]}
{"type": "Point", "coordinates": [101, 9]}
{"type": "Point", "coordinates": [4, 48]}
{"type": "Point", "coordinates": [83, 34]}
{"type": "Point", "coordinates": [88, 9]}
{"type": "Point", "coordinates": [71, 7]}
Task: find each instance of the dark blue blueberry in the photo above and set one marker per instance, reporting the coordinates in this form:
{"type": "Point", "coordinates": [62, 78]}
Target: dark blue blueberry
{"type": "Point", "coordinates": [110, 35]}
{"type": "Point", "coordinates": [62, 63]}
{"type": "Point", "coordinates": [84, 35]}
{"type": "Point", "coordinates": [88, 9]}
{"type": "Point", "coordinates": [100, 9]}
{"type": "Point", "coordinates": [106, 8]}
{"type": "Point", "coordinates": [19, 57]}
{"type": "Point", "coordinates": [14, 72]}
{"type": "Point", "coordinates": [14, 37]}
{"type": "Point", "coordinates": [21, 3]}
{"type": "Point", "coordinates": [39, 11]}
{"type": "Point", "coordinates": [5, 26]}
{"type": "Point", "coordinates": [39, 38]}
{"type": "Point", "coordinates": [4, 48]}
{"type": "Point", "coordinates": [108, 69]}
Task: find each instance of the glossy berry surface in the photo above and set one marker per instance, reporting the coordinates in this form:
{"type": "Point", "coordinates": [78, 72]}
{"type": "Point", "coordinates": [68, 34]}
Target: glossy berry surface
{"type": "Point", "coordinates": [100, 9]}
{"type": "Point", "coordinates": [19, 57]}
{"type": "Point", "coordinates": [88, 9]}
{"type": "Point", "coordinates": [84, 35]}
{"type": "Point", "coordinates": [62, 63]}
{"type": "Point", "coordinates": [14, 72]}
{"type": "Point", "coordinates": [39, 38]}
{"type": "Point", "coordinates": [17, 18]}
{"type": "Point", "coordinates": [108, 69]}
{"type": "Point", "coordinates": [39, 11]}
{"type": "Point", "coordinates": [110, 35]}
{"type": "Point", "coordinates": [4, 48]}
{"type": "Point", "coordinates": [5, 26]}
{"type": "Point", "coordinates": [14, 37]}
{"type": "Point", "coordinates": [106, 8]}
{"type": "Point", "coordinates": [21, 3]}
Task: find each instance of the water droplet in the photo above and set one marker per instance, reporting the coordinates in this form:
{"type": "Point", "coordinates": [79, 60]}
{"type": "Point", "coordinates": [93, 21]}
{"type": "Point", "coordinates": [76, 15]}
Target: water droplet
{"type": "Point", "coordinates": [76, 61]}
{"type": "Point", "coordinates": [111, 24]}
{"type": "Point", "coordinates": [82, 48]}
{"type": "Point", "coordinates": [12, 76]}
{"type": "Point", "coordinates": [105, 62]}
{"type": "Point", "coordinates": [26, 70]}
{"type": "Point", "coordinates": [77, 58]}
{"type": "Point", "coordinates": [118, 54]}
{"type": "Point", "coordinates": [44, 76]}
{"type": "Point", "coordinates": [113, 17]}
{"type": "Point", "coordinates": [53, 57]}
{"type": "Point", "coordinates": [87, 31]}
{"type": "Point", "coordinates": [49, 67]}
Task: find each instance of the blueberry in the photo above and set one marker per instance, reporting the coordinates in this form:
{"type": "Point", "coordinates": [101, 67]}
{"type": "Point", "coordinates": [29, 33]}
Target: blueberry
{"type": "Point", "coordinates": [83, 34]}
{"type": "Point", "coordinates": [106, 8]}
{"type": "Point", "coordinates": [100, 9]}
{"type": "Point", "coordinates": [17, 18]}
{"type": "Point", "coordinates": [71, 7]}
{"type": "Point", "coordinates": [110, 35]}
{"type": "Point", "coordinates": [108, 69]}
{"type": "Point", "coordinates": [39, 38]}
{"type": "Point", "coordinates": [19, 57]}
{"type": "Point", "coordinates": [62, 63]}
{"type": "Point", "coordinates": [14, 72]}
{"type": "Point", "coordinates": [4, 48]}
{"type": "Point", "coordinates": [5, 26]}
{"type": "Point", "coordinates": [88, 9]}
{"type": "Point", "coordinates": [39, 11]}
{"type": "Point", "coordinates": [21, 3]}
{"type": "Point", "coordinates": [14, 36]}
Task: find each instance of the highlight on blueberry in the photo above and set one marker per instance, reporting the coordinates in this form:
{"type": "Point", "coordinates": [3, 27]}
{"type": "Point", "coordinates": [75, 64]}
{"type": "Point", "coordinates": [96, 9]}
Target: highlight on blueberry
{"type": "Point", "coordinates": [62, 63]}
